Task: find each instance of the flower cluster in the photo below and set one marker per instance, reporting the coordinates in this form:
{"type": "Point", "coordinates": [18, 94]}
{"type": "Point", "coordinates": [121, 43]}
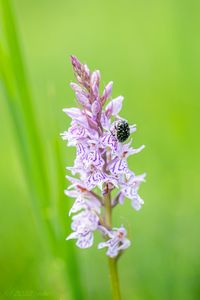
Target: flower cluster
{"type": "Point", "coordinates": [100, 168]}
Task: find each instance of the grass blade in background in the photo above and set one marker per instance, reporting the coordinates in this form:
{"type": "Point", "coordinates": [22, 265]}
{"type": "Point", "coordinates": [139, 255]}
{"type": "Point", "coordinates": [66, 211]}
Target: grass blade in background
{"type": "Point", "coordinates": [20, 104]}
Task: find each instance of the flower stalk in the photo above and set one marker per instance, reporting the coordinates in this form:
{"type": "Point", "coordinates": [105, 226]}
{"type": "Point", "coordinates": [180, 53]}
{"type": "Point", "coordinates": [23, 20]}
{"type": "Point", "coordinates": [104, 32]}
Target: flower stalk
{"type": "Point", "coordinates": [114, 278]}
{"type": "Point", "coordinates": [112, 262]}
{"type": "Point", "coordinates": [108, 209]}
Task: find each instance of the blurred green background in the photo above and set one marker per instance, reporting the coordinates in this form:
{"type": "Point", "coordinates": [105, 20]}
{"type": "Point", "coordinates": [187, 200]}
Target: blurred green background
{"type": "Point", "coordinates": [151, 50]}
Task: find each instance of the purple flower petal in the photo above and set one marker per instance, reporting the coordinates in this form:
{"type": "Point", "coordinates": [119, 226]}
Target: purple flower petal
{"type": "Point", "coordinates": [94, 83]}
{"type": "Point", "coordinates": [107, 91]}
{"type": "Point", "coordinates": [95, 108]}
{"type": "Point", "coordinates": [85, 241]}
{"type": "Point", "coordinates": [108, 140]}
{"type": "Point", "coordinates": [114, 107]}
{"type": "Point", "coordinates": [73, 112]}
{"type": "Point", "coordinates": [121, 198]}
{"type": "Point", "coordinates": [118, 166]}
{"type": "Point", "coordinates": [94, 158]}
{"type": "Point", "coordinates": [77, 206]}
{"type": "Point", "coordinates": [137, 202]}
{"type": "Point", "coordinates": [72, 235]}
{"type": "Point", "coordinates": [97, 178]}
{"type": "Point", "coordinates": [82, 99]}
{"type": "Point", "coordinates": [76, 87]}
{"type": "Point", "coordinates": [116, 243]}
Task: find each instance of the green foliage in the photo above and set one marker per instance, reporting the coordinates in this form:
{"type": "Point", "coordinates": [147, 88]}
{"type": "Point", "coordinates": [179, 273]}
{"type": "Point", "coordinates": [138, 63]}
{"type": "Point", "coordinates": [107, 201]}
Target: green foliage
{"type": "Point", "coordinates": [151, 52]}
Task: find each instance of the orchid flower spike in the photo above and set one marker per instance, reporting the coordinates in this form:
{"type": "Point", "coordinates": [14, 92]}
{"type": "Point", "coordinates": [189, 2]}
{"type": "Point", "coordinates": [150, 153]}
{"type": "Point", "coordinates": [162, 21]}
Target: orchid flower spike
{"type": "Point", "coordinates": [100, 167]}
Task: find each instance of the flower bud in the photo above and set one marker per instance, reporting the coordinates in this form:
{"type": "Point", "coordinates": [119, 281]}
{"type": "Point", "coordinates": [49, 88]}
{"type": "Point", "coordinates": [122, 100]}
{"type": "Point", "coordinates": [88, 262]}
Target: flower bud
{"type": "Point", "coordinates": [86, 70]}
{"type": "Point", "coordinates": [95, 108]}
{"type": "Point", "coordinates": [76, 87]}
{"type": "Point", "coordinates": [94, 83]}
{"type": "Point", "coordinates": [82, 99]}
{"type": "Point", "coordinates": [107, 91]}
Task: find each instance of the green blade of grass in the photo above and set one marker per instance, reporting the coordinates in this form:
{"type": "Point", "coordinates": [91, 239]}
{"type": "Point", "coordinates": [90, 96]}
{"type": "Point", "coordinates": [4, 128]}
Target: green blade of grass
{"type": "Point", "coordinates": [9, 93]}
{"type": "Point", "coordinates": [19, 99]}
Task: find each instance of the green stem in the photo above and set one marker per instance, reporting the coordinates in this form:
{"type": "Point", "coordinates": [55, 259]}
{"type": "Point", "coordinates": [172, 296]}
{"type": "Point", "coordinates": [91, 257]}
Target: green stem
{"type": "Point", "coordinates": [114, 278]}
{"type": "Point", "coordinates": [112, 261]}
{"type": "Point", "coordinates": [108, 211]}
